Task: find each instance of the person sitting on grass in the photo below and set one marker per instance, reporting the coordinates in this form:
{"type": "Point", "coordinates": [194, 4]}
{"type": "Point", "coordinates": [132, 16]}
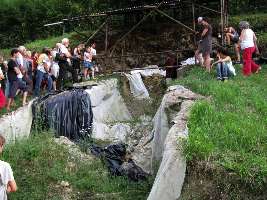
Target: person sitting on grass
{"type": "Point", "coordinates": [225, 67]}
{"type": "Point", "coordinates": [2, 96]}
{"type": "Point", "coordinates": [14, 82]}
{"type": "Point", "coordinates": [7, 181]}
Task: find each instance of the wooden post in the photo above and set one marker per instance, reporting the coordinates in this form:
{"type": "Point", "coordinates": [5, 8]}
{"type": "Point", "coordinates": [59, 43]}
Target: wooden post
{"type": "Point", "coordinates": [222, 21]}
{"type": "Point", "coordinates": [194, 22]}
{"type": "Point", "coordinates": [106, 39]}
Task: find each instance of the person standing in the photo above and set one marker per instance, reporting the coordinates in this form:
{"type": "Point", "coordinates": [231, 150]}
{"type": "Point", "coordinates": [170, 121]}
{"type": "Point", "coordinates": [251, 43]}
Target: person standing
{"type": "Point", "coordinates": [14, 82]}
{"type": "Point", "coordinates": [205, 44]}
{"type": "Point", "coordinates": [88, 65]}
{"type": "Point", "coordinates": [7, 181]}
{"type": "Point", "coordinates": [65, 63]}
{"type": "Point", "coordinates": [93, 52]}
{"type": "Point", "coordinates": [77, 57]}
{"type": "Point", "coordinates": [2, 96]}
{"type": "Point", "coordinates": [43, 71]}
{"type": "Point", "coordinates": [248, 45]}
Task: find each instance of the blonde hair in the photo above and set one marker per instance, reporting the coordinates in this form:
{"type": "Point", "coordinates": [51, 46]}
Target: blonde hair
{"type": "Point", "coordinates": [29, 53]}
{"type": "Point", "coordinates": [65, 40]}
{"type": "Point", "coordinates": [2, 140]}
{"type": "Point", "coordinates": [22, 49]}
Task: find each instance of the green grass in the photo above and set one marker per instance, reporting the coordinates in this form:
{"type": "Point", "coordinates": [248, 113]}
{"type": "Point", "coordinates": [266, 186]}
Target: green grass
{"type": "Point", "coordinates": [230, 128]}
{"type": "Point", "coordinates": [39, 165]}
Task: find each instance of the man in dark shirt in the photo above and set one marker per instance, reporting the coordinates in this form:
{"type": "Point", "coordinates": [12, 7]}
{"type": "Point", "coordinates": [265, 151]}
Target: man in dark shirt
{"type": "Point", "coordinates": [14, 82]}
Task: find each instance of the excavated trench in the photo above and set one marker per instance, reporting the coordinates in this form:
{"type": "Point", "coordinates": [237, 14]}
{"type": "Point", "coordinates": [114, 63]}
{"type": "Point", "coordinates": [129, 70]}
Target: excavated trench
{"type": "Point", "coordinates": [150, 118]}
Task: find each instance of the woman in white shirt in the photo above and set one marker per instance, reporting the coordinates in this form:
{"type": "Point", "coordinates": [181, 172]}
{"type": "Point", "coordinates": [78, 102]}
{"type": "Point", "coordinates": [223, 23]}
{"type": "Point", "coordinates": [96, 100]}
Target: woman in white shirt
{"type": "Point", "coordinates": [248, 46]}
{"type": "Point", "coordinates": [88, 65]}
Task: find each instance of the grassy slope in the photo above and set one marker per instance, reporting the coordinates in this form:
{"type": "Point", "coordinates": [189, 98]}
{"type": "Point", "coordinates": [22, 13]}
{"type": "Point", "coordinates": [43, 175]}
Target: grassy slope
{"type": "Point", "coordinates": [39, 165]}
{"type": "Point", "coordinates": [229, 129]}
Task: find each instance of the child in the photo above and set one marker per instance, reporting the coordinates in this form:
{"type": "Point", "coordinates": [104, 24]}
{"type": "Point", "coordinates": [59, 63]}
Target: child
{"type": "Point", "coordinates": [2, 96]}
{"type": "Point", "coordinates": [7, 181]}
{"type": "Point", "coordinates": [225, 67]}
{"type": "Point", "coordinates": [88, 63]}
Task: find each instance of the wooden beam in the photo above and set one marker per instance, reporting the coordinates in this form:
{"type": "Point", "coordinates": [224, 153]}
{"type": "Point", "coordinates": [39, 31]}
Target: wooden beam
{"type": "Point", "coordinates": [93, 35]}
{"type": "Point", "coordinates": [134, 27]}
{"type": "Point", "coordinates": [175, 20]}
{"type": "Point", "coordinates": [209, 9]}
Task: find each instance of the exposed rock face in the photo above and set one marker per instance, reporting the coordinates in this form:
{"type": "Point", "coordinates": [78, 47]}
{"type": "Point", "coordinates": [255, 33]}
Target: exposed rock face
{"type": "Point", "coordinates": [17, 124]}
{"type": "Point", "coordinates": [167, 143]}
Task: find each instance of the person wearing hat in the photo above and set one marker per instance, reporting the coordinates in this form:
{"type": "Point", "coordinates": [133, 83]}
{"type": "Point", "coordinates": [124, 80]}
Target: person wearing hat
{"type": "Point", "coordinates": [248, 45]}
{"type": "Point", "coordinates": [205, 44]}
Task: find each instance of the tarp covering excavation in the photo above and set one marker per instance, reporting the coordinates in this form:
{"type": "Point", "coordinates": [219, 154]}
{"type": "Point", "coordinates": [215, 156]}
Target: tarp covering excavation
{"type": "Point", "coordinates": [118, 161]}
{"type": "Point", "coordinates": [69, 114]}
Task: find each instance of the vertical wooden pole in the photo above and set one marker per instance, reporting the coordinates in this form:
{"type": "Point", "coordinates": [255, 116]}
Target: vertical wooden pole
{"type": "Point", "coordinates": [194, 22]}
{"type": "Point", "coordinates": [222, 21]}
{"type": "Point", "coordinates": [106, 39]}
{"type": "Point", "coordinates": [106, 43]}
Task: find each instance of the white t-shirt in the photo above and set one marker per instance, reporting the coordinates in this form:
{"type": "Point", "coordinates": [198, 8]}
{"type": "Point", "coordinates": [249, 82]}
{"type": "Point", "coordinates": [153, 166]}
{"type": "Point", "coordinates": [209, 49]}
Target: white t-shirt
{"type": "Point", "coordinates": [248, 39]}
{"type": "Point", "coordinates": [231, 67]}
{"type": "Point", "coordinates": [43, 59]}
{"type": "Point", "coordinates": [93, 51]}
{"type": "Point", "coordinates": [6, 175]}
{"type": "Point", "coordinates": [87, 57]}
{"type": "Point", "coordinates": [19, 59]}
{"type": "Point", "coordinates": [63, 49]}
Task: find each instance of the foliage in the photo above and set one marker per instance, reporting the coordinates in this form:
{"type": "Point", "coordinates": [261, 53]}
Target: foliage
{"type": "Point", "coordinates": [39, 165]}
{"type": "Point", "coordinates": [229, 128]}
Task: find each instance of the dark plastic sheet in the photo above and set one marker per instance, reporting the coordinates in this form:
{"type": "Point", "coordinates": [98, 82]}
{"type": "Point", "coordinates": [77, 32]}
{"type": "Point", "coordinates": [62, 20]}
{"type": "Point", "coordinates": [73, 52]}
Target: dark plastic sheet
{"type": "Point", "coordinates": [115, 158]}
{"type": "Point", "coordinates": [68, 113]}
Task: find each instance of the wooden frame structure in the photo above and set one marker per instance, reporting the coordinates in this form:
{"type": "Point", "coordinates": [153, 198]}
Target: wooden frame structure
{"type": "Point", "coordinates": [151, 9]}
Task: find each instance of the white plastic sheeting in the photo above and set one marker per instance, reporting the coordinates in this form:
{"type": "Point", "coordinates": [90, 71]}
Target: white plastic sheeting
{"type": "Point", "coordinates": [17, 125]}
{"type": "Point", "coordinates": [108, 107]}
{"type": "Point", "coordinates": [167, 145]}
{"type": "Point", "coordinates": [137, 86]}
{"type": "Point", "coordinates": [189, 61]}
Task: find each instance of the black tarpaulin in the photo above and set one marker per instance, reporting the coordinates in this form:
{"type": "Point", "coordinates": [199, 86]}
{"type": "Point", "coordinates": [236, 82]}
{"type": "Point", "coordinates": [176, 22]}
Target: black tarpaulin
{"type": "Point", "coordinates": [68, 113]}
{"type": "Point", "coordinates": [118, 163]}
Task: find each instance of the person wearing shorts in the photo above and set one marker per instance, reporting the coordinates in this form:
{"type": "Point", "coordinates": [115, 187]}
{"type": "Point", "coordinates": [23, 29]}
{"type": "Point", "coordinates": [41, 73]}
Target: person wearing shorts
{"type": "Point", "coordinates": [205, 44]}
{"type": "Point", "coordinates": [14, 82]}
{"type": "Point", "coordinates": [88, 65]}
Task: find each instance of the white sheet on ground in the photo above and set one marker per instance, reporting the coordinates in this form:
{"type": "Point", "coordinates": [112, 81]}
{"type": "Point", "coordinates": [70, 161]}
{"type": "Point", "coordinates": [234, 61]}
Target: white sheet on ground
{"type": "Point", "coordinates": [137, 86]}
{"type": "Point", "coordinates": [189, 61]}
{"type": "Point", "coordinates": [17, 125]}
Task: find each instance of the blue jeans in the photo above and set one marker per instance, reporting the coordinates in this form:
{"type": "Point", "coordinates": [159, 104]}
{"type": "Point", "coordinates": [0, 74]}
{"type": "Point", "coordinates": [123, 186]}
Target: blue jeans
{"type": "Point", "coordinates": [222, 71]}
{"type": "Point", "coordinates": [40, 76]}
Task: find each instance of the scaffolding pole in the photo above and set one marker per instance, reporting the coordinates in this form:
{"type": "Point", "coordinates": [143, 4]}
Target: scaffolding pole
{"type": "Point", "coordinates": [135, 26]}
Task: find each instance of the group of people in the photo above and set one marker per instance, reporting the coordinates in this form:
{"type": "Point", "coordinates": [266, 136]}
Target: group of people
{"type": "Point", "coordinates": [246, 43]}
{"type": "Point", "coordinates": [29, 72]}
